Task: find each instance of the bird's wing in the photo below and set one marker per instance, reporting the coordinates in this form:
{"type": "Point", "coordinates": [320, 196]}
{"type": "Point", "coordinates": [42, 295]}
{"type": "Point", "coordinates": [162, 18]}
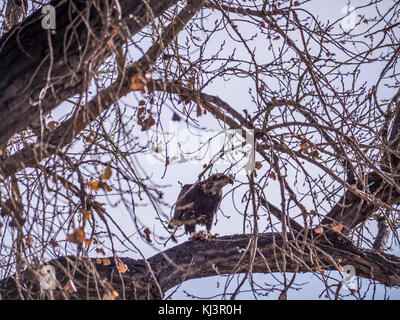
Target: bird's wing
{"type": "Point", "coordinates": [184, 205]}
{"type": "Point", "coordinates": [184, 190]}
{"type": "Point", "coordinates": [180, 206]}
{"type": "Point", "coordinates": [186, 198]}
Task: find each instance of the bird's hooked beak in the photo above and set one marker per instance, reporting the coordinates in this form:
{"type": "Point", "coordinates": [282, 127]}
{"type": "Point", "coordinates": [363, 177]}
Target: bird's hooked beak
{"type": "Point", "coordinates": [228, 179]}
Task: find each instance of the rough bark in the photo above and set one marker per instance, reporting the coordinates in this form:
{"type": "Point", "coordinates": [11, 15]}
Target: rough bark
{"type": "Point", "coordinates": [198, 259]}
{"type": "Point", "coordinates": [15, 9]}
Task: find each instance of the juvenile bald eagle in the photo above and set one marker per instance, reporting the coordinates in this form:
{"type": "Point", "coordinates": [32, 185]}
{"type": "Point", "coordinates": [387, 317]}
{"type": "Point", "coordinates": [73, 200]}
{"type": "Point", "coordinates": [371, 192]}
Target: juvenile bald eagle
{"type": "Point", "coordinates": [197, 203]}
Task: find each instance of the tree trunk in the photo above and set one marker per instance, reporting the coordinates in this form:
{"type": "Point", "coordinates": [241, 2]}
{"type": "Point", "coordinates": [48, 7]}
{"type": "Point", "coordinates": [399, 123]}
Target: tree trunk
{"type": "Point", "coordinates": [151, 278]}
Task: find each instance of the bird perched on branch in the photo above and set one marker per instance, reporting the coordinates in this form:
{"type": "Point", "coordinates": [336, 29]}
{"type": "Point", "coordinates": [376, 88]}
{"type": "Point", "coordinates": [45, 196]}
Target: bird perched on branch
{"type": "Point", "coordinates": [197, 203]}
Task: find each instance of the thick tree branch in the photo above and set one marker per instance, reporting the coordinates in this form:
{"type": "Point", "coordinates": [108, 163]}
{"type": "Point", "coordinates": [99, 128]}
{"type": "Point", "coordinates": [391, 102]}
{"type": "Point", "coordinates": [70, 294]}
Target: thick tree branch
{"type": "Point", "coordinates": [198, 259]}
{"type": "Point", "coordinates": [14, 11]}
{"type": "Point", "coordinates": [382, 237]}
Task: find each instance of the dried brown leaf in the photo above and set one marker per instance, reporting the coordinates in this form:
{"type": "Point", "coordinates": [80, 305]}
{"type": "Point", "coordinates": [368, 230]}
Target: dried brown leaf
{"type": "Point", "coordinates": [54, 244]}
{"type": "Point", "coordinates": [320, 270]}
{"type": "Point", "coordinates": [94, 185]}
{"type": "Point", "coordinates": [100, 250]}
{"type": "Point", "coordinates": [107, 173]}
{"type": "Point", "coordinates": [147, 232]}
{"type": "Point", "coordinates": [337, 228]}
{"type": "Point", "coordinates": [87, 215]}
{"type": "Point", "coordinates": [319, 230]}
{"type": "Point", "coordinates": [122, 267]}
{"type": "Point", "coordinates": [78, 236]}
{"type": "Point", "coordinates": [30, 241]}
{"type": "Point", "coordinates": [70, 287]}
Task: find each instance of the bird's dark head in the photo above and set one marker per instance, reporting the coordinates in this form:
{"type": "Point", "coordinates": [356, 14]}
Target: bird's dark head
{"type": "Point", "coordinates": [220, 179]}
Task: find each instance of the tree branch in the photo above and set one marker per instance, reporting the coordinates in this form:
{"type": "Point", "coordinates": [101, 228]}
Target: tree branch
{"type": "Point", "coordinates": [41, 69]}
{"type": "Point", "coordinates": [198, 259]}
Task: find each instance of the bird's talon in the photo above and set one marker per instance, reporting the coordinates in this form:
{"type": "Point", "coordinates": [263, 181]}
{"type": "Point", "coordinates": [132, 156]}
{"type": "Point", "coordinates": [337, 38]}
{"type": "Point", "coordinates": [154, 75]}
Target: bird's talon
{"type": "Point", "coordinates": [202, 235]}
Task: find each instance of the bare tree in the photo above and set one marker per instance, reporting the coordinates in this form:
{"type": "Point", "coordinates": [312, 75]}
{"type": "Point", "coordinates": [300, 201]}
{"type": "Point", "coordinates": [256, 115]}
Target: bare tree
{"type": "Point", "coordinates": [77, 103]}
